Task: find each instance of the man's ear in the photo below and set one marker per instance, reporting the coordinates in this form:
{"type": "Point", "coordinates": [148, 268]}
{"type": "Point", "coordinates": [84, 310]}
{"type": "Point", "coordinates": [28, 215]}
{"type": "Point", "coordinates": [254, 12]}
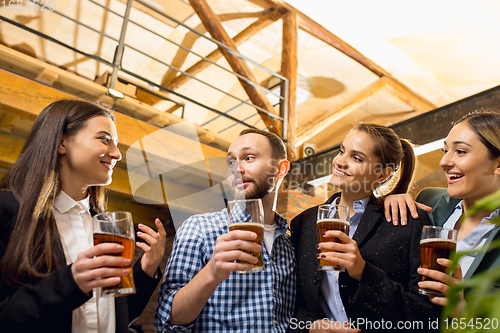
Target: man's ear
{"type": "Point", "coordinates": [284, 166]}
{"type": "Point", "coordinates": [385, 174]}
{"type": "Point", "coordinates": [61, 148]}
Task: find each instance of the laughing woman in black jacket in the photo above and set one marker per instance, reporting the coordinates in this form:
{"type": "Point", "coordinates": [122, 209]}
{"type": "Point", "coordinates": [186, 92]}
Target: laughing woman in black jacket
{"type": "Point", "coordinates": [379, 289]}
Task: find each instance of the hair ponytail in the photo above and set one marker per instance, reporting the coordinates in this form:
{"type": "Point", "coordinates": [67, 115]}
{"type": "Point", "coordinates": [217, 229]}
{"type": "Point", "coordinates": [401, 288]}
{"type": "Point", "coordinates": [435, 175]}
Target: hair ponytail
{"type": "Point", "coordinates": [405, 170]}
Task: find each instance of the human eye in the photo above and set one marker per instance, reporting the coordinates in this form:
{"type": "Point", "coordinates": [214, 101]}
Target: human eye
{"type": "Point", "coordinates": [230, 162]}
{"type": "Point", "coordinates": [461, 151]}
{"type": "Point", "coordinates": [341, 151]}
{"type": "Point", "coordinates": [105, 138]}
{"type": "Point", "coordinates": [250, 158]}
{"type": "Point", "coordinates": [357, 159]}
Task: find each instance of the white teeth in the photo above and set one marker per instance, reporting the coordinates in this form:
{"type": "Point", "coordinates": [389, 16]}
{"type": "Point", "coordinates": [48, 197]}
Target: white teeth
{"type": "Point", "coordinates": [342, 173]}
{"type": "Point", "coordinates": [107, 164]}
{"type": "Point", "coordinates": [454, 175]}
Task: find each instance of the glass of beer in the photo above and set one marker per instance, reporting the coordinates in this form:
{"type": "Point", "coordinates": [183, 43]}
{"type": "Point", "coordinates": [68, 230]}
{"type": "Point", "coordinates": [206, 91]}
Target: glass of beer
{"type": "Point", "coordinates": [331, 217]}
{"type": "Point", "coordinates": [436, 242]}
{"type": "Point", "coordinates": [117, 227]}
{"type": "Point", "coordinates": [248, 215]}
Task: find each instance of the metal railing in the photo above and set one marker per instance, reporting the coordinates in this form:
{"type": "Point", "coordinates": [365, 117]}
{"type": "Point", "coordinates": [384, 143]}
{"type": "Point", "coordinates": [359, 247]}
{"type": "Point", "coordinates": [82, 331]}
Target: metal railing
{"type": "Point", "coordinates": [122, 47]}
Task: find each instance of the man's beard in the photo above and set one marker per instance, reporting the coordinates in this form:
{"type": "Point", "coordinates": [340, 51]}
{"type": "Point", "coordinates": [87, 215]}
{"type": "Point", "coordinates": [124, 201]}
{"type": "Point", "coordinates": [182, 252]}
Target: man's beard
{"type": "Point", "coordinates": [260, 190]}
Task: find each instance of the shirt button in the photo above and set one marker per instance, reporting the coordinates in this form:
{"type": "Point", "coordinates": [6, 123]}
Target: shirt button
{"type": "Point", "coordinates": [275, 322]}
{"type": "Point", "coordinates": [470, 242]}
{"type": "Point", "coordinates": [274, 290]}
{"type": "Point", "coordinates": [343, 308]}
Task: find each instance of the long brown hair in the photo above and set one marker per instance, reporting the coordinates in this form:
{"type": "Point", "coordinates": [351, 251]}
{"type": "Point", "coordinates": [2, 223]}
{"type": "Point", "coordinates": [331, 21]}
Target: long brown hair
{"type": "Point", "coordinates": [32, 250]}
{"type": "Point", "coordinates": [394, 152]}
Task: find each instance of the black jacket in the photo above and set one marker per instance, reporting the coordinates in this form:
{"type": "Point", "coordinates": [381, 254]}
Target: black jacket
{"type": "Point", "coordinates": [47, 304]}
{"type": "Point", "coordinates": [388, 288]}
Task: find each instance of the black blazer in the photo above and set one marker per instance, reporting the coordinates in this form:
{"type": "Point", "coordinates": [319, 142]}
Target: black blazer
{"type": "Point", "coordinates": [388, 288]}
{"type": "Point", "coordinates": [47, 304]}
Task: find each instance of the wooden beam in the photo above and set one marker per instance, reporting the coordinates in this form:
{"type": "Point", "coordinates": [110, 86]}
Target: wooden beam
{"type": "Point", "coordinates": [311, 129]}
{"type": "Point", "coordinates": [8, 123]}
{"type": "Point", "coordinates": [326, 36]}
{"type": "Point", "coordinates": [47, 76]}
{"type": "Point", "coordinates": [214, 26]}
{"type": "Point", "coordinates": [27, 98]}
{"type": "Point", "coordinates": [264, 21]}
{"type": "Point", "coordinates": [417, 102]}
{"type": "Point", "coordinates": [289, 66]}
{"type": "Point", "coordinates": [35, 96]}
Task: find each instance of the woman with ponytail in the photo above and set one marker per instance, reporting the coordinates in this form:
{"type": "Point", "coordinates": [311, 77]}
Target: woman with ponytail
{"type": "Point", "coordinates": [379, 288]}
{"type": "Point", "coordinates": [48, 264]}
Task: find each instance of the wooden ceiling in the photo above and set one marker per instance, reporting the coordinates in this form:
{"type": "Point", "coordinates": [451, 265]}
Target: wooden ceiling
{"type": "Point", "coordinates": [358, 61]}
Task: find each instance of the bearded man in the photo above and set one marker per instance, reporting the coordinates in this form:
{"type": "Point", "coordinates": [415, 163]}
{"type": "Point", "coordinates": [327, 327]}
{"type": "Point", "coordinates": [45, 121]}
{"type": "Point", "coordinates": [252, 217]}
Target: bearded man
{"type": "Point", "coordinates": [201, 290]}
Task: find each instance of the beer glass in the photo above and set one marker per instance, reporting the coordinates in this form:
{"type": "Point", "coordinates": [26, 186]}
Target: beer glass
{"type": "Point", "coordinates": [248, 215]}
{"type": "Point", "coordinates": [331, 217]}
{"type": "Point", "coordinates": [436, 242]}
{"type": "Point", "coordinates": [117, 227]}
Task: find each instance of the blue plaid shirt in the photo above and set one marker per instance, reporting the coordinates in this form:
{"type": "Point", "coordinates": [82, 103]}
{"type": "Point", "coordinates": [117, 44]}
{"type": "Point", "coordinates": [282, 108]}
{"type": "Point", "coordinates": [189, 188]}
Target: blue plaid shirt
{"type": "Point", "coordinates": [252, 302]}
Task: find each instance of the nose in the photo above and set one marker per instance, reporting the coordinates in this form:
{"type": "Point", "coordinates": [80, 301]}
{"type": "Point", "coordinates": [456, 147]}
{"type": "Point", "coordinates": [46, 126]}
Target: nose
{"type": "Point", "coordinates": [115, 153]}
{"type": "Point", "coordinates": [446, 162]}
{"type": "Point", "coordinates": [339, 161]}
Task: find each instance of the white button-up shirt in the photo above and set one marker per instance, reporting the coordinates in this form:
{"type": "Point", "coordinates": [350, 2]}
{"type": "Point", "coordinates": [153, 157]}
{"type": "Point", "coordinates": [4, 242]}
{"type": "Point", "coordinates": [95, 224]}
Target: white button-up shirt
{"type": "Point", "coordinates": [75, 227]}
{"type": "Point", "coordinates": [473, 241]}
{"type": "Point", "coordinates": [330, 299]}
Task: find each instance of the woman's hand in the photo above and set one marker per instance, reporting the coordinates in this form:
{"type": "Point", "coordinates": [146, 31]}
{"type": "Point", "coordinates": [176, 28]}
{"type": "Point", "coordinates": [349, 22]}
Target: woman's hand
{"type": "Point", "coordinates": [396, 204]}
{"type": "Point", "coordinates": [442, 283]}
{"type": "Point", "coordinates": [347, 254]}
{"type": "Point", "coordinates": [98, 267]}
{"type": "Point", "coordinates": [327, 326]}
{"type": "Point", "coordinates": [155, 247]}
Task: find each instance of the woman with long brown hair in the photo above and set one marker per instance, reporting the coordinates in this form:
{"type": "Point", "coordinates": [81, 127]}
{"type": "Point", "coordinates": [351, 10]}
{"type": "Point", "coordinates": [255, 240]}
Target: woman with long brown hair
{"type": "Point", "coordinates": [48, 264]}
{"type": "Point", "coordinates": [471, 163]}
{"type": "Point", "coordinates": [379, 288]}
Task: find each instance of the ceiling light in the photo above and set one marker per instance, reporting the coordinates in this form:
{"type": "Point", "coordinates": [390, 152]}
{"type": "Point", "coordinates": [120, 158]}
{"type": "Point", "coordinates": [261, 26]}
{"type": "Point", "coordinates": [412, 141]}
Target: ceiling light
{"type": "Point", "coordinates": [115, 93]}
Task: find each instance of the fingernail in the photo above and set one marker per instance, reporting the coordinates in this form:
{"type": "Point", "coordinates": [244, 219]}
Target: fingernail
{"type": "Point", "coordinates": [317, 256]}
{"type": "Point", "coordinates": [324, 234]}
{"type": "Point", "coordinates": [420, 270]}
{"type": "Point", "coordinates": [317, 246]}
{"type": "Point", "coordinates": [125, 271]}
{"type": "Point", "coordinates": [323, 256]}
{"type": "Point", "coordinates": [415, 216]}
{"type": "Point", "coordinates": [388, 219]}
{"type": "Point", "coordinates": [420, 284]}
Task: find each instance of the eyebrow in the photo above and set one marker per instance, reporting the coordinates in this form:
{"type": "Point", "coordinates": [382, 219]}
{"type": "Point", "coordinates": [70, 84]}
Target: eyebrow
{"type": "Point", "coordinates": [108, 134]}
{"type": "Point", "coordinates": [245, 149]}
{"type": "Point", "coordinates": [459, 143]}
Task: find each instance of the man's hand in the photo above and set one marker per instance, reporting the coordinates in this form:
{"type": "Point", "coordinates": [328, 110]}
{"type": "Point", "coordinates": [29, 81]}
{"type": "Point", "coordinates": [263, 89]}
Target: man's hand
{"type": "Point", "coordinates": [396, 204]}
{"type": "Point", "coordinates": [347, 255]}
{"type": "Point", "coordinates": [229, 248]}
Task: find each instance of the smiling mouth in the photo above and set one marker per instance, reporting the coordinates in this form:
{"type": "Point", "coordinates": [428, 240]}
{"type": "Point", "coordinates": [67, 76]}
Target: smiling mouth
{"type": "Point", "coordinates": [454, 176]}
{"type": "Point", "coordinates": [342, 173]}
{"type": "Point", "coordinates": [108, 165]}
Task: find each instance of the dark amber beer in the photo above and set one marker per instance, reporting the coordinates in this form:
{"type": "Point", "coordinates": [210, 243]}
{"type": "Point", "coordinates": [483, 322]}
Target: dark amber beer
{"type": "Point", "coordinates": [248, 215]}
{"type": "Point", "coordinates": [430, 250]}
{"type": "Point", "coordinates": [126, 285]}
{"type": "Point", "coordinates": [118, 228]}
{"type": "Point", "coordinates": [327, 225]}
{"type": "Point", "coordinates": [258, 228]}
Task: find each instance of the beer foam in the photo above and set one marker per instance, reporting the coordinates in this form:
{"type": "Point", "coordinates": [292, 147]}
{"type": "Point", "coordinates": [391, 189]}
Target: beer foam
{"type": "Point", "coordinates": [247, 224]}
{"type": "Point", "coordinates": [432, 240]}
{"type": "Point", "coordinates": [334, 220]}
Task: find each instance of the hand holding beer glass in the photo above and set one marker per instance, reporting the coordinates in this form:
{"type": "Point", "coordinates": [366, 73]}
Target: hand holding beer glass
{"type": "Point", "coordinates": [117, 227]}
{"type": "Point", "coordinates": [331, 217]}
{"type": "Point", "coordinates": [436, 242]}
{"type": "Point", "coordinates": [248, 215]}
